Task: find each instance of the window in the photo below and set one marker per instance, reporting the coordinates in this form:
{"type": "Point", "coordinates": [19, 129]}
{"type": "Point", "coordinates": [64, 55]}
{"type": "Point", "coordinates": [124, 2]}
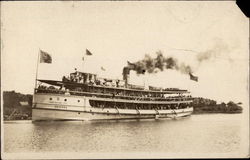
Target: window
{"type": "Point", "coordinates": [65, 100]}
{"type": "Point", "coordinates": [50, 98]}
{"type": "Point", "coordinates": [78, 100]}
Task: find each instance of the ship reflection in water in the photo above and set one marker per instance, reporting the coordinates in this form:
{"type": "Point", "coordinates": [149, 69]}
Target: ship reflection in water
{"type": "Point", "coordinates": [214, 133]}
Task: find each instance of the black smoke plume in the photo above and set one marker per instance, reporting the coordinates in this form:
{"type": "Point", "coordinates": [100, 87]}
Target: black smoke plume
{"type": "Point", "coordinates": [154, 65]}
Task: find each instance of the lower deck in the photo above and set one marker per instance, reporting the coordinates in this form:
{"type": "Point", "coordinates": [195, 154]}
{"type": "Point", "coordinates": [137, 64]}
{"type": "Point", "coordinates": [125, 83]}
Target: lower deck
{"type": "Point", "coordinates": [48, 114]}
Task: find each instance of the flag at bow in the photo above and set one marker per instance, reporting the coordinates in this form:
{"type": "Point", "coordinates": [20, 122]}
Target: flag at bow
{"type": "Point", "coordinates": [192, 77]}
{"type": "Point", "coordinates": [45, 57]}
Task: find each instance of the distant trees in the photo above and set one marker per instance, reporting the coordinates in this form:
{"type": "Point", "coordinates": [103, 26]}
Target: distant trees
{"type": "Point", "coordinates": [232, 107]}
{"type": "Point", "coordinates": [203, 105]}
{"type": "Point", "coordinates": [203, 101]}
{"type": "Point", "coordinates": [11, 102]}
{"type": "Point", "coordinates": [12, 99]}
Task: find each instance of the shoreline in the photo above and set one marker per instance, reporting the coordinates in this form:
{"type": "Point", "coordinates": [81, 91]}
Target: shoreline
{"type": "Point", "coordinates": [194, 113]}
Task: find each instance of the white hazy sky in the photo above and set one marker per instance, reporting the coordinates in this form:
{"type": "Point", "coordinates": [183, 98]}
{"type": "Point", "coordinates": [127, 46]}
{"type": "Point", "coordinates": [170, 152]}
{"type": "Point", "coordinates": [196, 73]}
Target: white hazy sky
{"type": "Point", "coordinates": [119, 31]}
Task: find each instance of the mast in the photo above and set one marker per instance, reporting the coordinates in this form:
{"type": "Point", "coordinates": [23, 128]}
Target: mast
{"type": "Point", "coordinates": [83, 59]}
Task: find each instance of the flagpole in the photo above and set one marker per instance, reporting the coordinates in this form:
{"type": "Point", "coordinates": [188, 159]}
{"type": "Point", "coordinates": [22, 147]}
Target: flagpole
{"type": "Point", "coordinates": [87, 53]}
{"type": "Point", "coordinates": [85, 58]}
{"type": "Point", "coordinates": [33, 105]}
{"type": "Point", "coordinates": [37, 65]}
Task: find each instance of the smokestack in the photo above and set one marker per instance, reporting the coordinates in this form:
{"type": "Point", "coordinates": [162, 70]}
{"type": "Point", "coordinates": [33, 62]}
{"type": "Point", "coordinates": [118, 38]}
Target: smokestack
{"type": "Point", "coordinates": [125, 74]}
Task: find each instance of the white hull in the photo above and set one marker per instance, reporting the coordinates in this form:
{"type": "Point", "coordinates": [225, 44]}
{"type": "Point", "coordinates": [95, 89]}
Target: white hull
{"type": "Point", "coordinates": [47, 114]}
{"type": "Point", "coordinates": [54, 107]}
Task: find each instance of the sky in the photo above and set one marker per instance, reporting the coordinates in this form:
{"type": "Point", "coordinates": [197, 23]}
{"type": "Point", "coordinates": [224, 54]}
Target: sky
{"type": "Point", "coordinates": [117, 32]}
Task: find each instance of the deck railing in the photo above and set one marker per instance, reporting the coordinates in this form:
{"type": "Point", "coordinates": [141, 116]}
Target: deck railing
{"type": "Point", "coordinates": [114, 96]}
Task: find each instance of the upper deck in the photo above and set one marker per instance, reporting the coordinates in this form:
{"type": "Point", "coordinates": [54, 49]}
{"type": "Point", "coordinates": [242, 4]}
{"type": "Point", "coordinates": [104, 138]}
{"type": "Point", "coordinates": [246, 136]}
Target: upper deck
{"type": "Point", "coordinates": [79, 79]}
{"type": "Point", "coordinates": [114, 88]}
{"type": "Point", "coordinates": [87, 84]}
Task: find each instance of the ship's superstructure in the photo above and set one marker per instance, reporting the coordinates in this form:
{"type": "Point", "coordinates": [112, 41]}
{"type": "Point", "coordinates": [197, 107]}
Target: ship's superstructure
{"type": "Point", "coordinates": [85, 96]}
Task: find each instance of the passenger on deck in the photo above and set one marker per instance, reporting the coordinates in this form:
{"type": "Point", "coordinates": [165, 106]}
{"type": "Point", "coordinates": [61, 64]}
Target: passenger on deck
{"type": "Point", "coordinates": [80, 80]}
{"type": "Point", "coordinates": [71, 78]}
{"type": "Point", "coordinates": [104, 83]}
{"type": "Point", "coordinates": [117, 83]}
{"type": "Point", "coordinates": [97, 82]}
{"type": "Point", "coordinates": [91, 82]}
{"type": "Point", "coordinates": [51, 87]}
{"type": "Point", "coordinates": [67, 92]}
{"type": "Point", "coordinates": [64, 79]}
{"type": "Point", "coordinates": [39, 87]}
{"type": "Point", "coordinates": [63, 88]}
{"type": "Point", "coordinates": [75, 80]}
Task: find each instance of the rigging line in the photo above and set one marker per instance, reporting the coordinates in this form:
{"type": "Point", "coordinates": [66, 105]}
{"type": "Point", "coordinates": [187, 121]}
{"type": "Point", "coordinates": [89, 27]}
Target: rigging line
{"type": "Point", "coordinates": [184, 49]}
{"type": "Point", "coordinates": [217, 57]}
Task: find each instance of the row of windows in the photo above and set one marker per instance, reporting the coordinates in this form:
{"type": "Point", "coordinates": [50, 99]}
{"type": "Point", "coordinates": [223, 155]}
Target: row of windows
{"type": "Point", "coordinates": [64, 99]}
{"type": "Point", "coordinates": [120, 105]}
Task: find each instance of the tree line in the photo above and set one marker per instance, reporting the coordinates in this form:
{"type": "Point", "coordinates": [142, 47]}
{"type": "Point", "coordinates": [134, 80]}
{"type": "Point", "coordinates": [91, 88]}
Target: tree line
{"type": "Point", "coordinates": [16, 105]}
{"type": "Point", "coordinates": [203, 105]}
{"type": "Point", "coordinates": [19, 106]}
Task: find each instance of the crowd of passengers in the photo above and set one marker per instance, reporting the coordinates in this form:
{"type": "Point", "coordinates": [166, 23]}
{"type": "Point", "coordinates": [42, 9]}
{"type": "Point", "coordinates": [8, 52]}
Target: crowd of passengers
{"type": "Point", "coordinates": [136, 106]}
{"type": "Point", "coordinates": [78, 78]}
{"type": "Point", "coordinates": [112, 94]}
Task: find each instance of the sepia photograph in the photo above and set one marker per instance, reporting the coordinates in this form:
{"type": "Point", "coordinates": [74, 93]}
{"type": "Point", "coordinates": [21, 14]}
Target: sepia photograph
{"type": "Point", "coordinates": [124, 79]}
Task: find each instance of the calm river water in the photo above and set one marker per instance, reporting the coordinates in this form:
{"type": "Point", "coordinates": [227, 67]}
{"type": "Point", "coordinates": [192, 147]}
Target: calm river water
{"type": "Point", "coordinates": [205, 135]}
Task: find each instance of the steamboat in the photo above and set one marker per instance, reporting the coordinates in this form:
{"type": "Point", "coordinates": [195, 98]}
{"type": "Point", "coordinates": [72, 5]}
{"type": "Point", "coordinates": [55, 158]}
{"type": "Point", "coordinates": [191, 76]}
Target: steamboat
{"type": "Point", "coordinates": [86, 96]}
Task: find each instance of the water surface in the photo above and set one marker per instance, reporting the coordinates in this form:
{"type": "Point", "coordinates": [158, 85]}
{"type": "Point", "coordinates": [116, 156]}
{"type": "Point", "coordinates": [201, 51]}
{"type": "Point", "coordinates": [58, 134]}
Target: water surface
{"type": "Point", "coordinates": [208, 134]}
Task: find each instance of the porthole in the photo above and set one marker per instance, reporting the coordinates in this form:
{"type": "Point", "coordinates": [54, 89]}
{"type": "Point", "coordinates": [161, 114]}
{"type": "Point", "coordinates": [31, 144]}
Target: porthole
{"type": "Point", "coordinates": [78, 100]}
{"type": "Point", "coordinates": [65, 99]}
{"type": "Point", "coordinates": [78, 112]}
{"type": "Point", "coordinates": [50, 98]}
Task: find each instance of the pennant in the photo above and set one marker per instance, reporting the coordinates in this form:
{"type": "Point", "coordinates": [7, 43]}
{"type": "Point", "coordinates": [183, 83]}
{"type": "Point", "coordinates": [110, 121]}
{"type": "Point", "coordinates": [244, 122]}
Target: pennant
{"type": "Point", "coordinates": [45, 57]}
{"type": "Point", "coordinates": [192, 77]}
{"type": "Point", "coordinates": [103, 69]}
{"type": "Point", "coordinates": [88, 52]}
